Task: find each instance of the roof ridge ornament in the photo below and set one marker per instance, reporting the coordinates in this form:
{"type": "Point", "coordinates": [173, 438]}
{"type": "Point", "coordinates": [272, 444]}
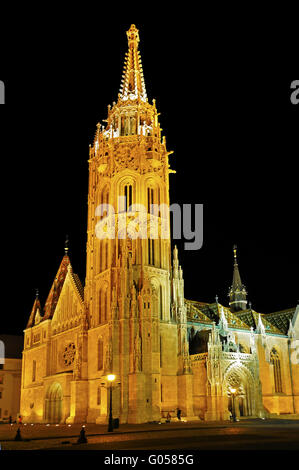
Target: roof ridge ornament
{"type": "Point", "coordinates": [260, 329]}
{"type": "Point", "coordinates": [223, 324]}
{"type": "Point", "coordinates": [291, 331]}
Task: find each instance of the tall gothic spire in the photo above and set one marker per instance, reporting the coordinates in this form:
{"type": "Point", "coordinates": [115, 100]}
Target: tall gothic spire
{"type": "Point", "coordinates": [132, 84]}
{"type": "Point", "coordinates": [237, 292]}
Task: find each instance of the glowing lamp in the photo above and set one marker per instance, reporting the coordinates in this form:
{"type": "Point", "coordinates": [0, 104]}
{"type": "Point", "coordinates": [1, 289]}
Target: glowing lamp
{"type": "Point", "coordinates": [111, 377]}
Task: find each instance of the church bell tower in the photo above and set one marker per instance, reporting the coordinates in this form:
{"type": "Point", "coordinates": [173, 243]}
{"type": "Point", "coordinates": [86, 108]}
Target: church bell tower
{"type": "Point", "coordinates": [128, 288]}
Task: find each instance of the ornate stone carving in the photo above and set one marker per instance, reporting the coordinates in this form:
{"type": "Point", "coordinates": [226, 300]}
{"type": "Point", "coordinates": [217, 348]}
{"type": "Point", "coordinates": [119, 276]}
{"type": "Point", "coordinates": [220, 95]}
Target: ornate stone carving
{"type": "Point", "coordinates": [69, 354]}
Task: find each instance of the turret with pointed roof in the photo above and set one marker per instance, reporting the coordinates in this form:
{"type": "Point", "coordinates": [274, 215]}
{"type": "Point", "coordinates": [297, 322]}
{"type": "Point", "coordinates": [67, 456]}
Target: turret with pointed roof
{"type": "Point", "coordinates": [35, 312]}
{"type": "Point", "coordinates": [55, 290]}
{"type": "Point", "coordinates": [132, 114]}
{"type": "Point", "coordinates": [54, 294]}
{"type": "Point", "coordinates": [237, 293]}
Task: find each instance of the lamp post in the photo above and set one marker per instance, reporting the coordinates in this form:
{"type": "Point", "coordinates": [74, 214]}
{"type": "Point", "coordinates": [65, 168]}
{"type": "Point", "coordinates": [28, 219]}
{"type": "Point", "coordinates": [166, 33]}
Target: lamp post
{"type": "Point", "coordinates": [110, 378]}
{"type": "Point", "coordinates": [233, 394]}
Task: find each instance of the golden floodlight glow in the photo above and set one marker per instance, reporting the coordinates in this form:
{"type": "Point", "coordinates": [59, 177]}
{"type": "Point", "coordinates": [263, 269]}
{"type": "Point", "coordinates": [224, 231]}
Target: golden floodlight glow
{"type": "Point", "coordinates": [111, 377]}
{"type": "Point", "coordinates": [233, 390]}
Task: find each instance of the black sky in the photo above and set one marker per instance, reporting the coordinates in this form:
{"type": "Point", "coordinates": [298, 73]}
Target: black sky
{"type": "Point", "coordinates": [224, 99]}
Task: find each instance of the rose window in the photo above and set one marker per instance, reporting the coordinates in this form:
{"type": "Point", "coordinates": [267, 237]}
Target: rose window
{"type": "Point", "coordinates": [69, 354]}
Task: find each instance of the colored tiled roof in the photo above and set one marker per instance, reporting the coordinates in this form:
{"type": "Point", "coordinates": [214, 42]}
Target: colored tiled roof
{"type": "Point", "coordinates": [36, 306]}
{"type": "Point", "coordinates": [209, 313]}
{"type": "Point", "coordinates": [78, 285]}
{"type": "Point", "coordinates": [281, 319]}
{"type": "Point", "coordinates": [250, 317]}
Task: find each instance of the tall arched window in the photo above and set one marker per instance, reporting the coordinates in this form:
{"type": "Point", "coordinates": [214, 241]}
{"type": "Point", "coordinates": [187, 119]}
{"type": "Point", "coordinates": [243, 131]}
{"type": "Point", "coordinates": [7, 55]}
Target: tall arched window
{"type": "Point", "coordinates": [128, 196]}
{"type": "Point", "coordinates": [105, 304]}
{"type": "Point", "coordinates": [275, 360]}
{"type": "Point", "coordinates": [150, 200]}
{"type": "Point", "coordinates": [106, 255]}
{"type": "Point", "coordinates": [100, 307]}
{"type": "Point", "coordinates": [122, 126]}
{"type": "Point", "coordinates": [104, 246]}
{"type": "Point", "coordinates": [161, 303]}
{"type": "Point", "coordinates": [100, 354]}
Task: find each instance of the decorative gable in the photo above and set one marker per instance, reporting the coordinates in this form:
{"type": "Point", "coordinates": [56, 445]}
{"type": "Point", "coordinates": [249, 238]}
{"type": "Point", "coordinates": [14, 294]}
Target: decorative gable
{"type": "Point", "coordinates": [70, 306]}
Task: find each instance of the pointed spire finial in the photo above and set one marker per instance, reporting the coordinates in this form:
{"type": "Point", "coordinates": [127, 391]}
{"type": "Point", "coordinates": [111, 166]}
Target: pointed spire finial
{"type": "Point", "coordinates": [132, 83]}
{"type": "Point", "coordinates": [133, 36]}
{"type": "Point", "coordinates": [36, 293]}
{"type": "Point", "coordinates": [235, 253]}
{"type": "Point", "coordinates": [66, 245]}
{"type": "Point", "coordinates": [260, 328]}
{"type": "Point", "coordinates": [291, 330]}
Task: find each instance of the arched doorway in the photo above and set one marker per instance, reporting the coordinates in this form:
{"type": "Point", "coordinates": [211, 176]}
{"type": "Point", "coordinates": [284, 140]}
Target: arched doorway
{"type": "Point", "coordinates": [53, 404]}
{"type": "Point", "coordinates": [240, 379]}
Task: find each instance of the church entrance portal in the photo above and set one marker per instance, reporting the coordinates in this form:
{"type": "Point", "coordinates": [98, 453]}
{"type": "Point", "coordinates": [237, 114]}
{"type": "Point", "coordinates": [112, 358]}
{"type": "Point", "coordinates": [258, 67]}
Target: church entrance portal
{"type": "Point", "coordinates": [239, 379]}
{"type": "Point", "coordinates": [53, 404]}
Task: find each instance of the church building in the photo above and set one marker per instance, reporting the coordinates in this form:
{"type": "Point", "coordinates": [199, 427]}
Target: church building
{"type": "Point", "coordinates": [131, 318]}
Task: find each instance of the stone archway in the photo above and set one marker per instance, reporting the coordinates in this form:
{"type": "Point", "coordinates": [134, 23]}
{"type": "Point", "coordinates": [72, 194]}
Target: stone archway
{"type": "Point", "coordinates": [239, 378]}
{"type": "Point", "coordinates": [53, 403]}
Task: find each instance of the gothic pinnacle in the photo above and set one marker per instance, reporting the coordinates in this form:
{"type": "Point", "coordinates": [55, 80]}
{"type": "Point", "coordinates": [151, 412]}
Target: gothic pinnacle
{"type": "Point", "coordinates": [132, 82]}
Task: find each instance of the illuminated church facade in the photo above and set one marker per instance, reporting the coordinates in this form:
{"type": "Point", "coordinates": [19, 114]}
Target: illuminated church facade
{"type": "Point", "coordinates": [132, 320]}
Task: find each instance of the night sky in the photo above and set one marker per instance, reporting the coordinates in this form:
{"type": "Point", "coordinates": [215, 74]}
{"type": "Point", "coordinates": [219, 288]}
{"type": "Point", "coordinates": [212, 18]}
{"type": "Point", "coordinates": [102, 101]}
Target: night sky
{"type": "Point", "coordinates": [224, 99]}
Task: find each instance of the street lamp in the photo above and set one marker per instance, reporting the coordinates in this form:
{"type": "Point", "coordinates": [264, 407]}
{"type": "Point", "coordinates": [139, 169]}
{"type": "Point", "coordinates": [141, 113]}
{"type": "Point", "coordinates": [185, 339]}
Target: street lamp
{"type": "Point", "coordinates": [110, 378]}
{"type": "Point", "coordinates": [233, 394]}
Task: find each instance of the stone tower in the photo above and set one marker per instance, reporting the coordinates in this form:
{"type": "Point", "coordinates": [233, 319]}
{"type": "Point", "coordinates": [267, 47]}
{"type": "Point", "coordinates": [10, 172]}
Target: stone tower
{"type": "Point", "coordinates": [135, 301]}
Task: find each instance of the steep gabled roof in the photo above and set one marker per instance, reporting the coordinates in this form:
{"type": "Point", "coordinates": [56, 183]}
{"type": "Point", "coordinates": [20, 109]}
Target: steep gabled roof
{"type": "Point", "coordinates": [55, 290]}
{"type": "Point", "coordinates": [78, 285]}
{"type": "Point", "coordinates": [36, 306]}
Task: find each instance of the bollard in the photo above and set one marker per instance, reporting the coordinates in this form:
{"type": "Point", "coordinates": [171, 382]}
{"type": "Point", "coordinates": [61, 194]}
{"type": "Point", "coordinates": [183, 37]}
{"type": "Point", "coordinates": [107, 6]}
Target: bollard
{"type": "Point", "coordinates": [82, 438]}
{"type": "Point", "coordinates": [18, 436]}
